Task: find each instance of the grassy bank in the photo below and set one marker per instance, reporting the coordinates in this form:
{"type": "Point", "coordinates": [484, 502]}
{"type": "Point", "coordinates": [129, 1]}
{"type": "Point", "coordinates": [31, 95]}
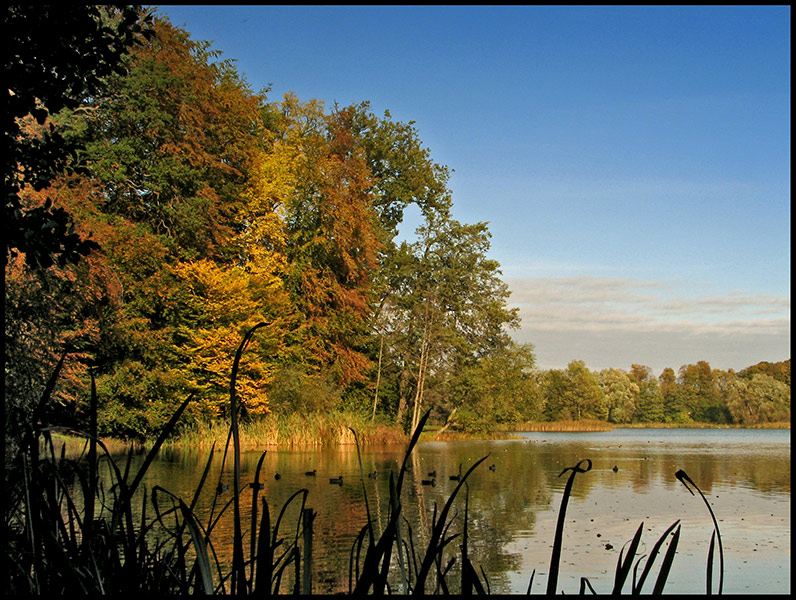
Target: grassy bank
{"type": "Point", "coordinates": [582, 425]}
{"type": "Point", "coordinates": [593, 425]}
{"type": "Point", "coordinates": [430, 435]}
{"type": "Point", "coordinates": [294, 430]}
{"type": "Point", "coordinates": [284, 431]}
{"type": "Point", "coordinates": [778, 425]}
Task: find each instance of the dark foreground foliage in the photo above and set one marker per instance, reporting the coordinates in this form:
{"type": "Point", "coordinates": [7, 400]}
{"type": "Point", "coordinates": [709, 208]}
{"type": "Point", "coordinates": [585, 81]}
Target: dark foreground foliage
{"type": "Point", "coordinates": [70, 528]}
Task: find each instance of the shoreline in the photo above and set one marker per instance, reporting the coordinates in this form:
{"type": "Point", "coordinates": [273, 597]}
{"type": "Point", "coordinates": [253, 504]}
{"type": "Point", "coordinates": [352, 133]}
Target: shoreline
{"type": "Point", "coordinates": [324, 434]}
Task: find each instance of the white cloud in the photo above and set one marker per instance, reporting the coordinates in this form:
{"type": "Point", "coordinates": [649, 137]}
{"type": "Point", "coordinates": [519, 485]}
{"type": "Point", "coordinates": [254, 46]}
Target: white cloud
{"type": "Point", "coordinates": [614, 322]}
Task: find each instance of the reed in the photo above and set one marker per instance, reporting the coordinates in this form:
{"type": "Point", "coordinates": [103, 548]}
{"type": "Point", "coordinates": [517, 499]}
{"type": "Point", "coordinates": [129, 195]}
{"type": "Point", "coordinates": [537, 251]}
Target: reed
{"type": "Point", "coordinates": [71, 529]}
{"type": "Point", "coordinates": [582, 425]}
{"type": "Point", "coordinates": [292, 430]}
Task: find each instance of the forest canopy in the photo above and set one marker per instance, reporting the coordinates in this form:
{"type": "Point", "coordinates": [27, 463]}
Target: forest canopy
{"type": "Point", "coordinates": [157, 208]}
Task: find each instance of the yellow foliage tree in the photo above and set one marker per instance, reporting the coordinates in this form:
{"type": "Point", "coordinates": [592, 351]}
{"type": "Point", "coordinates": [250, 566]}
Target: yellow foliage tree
{"type": "Point", "coordinates": [219, 304]}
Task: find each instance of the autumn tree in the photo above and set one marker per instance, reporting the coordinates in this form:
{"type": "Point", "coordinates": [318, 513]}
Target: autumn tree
{"type": "Point", "coordinates": [675, 409]}
{"type": "Point", "coordinates": [172, 143]}
{"type": "Point", "coordinates": [169, 150]}
{"type": "Point", "coordinates": [330, 235]}
{"type": "Point", "coordinates": [215, 306]}
{"type": "Point", "coordinates": [778, 370]}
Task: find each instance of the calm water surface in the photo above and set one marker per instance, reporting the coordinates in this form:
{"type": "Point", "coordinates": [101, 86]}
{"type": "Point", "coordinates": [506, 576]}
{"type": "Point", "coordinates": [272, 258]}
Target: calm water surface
{"type": "Point", "coordinates": [745, 474]}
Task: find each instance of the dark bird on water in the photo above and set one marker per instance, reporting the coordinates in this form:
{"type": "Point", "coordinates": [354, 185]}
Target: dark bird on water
{"type": "Point", "coordinates": [277, 476]}
{"type": "Point", "coordinates": [615, 469]}
{"type": "Point", "coordinates": [372, 475]}
{"type": "Point", "coordinates": [259, 485]}
{"type": "Point", "coordinates": [337, 480]}
{"type": "Point", "coordinates": [458, 476]}
{"type": "Point", "coordinates": [491, 467]}
{"type": "Point", "coordinates": [311, 473]}
{"type": "Point", "coordinates": [432, 474]}
{"type": "Point", "coordinates": [431, 482]}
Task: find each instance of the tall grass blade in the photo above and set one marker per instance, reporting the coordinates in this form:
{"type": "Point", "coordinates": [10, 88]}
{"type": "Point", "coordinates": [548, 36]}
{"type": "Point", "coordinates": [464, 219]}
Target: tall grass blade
{"type": "Point", "coordinates": [395, 509]}
{"type": "Point", "coordinates": [371, 537]}
{"type": "Point", "coordinates": [307, 516]}
{"type": "Point", "coordinates": [709, 570]}
{"type": "Point", "coordinates": [435, 544]}
{"type": "Point", "coordinates": [265, 555]}
{"type": "Point", "coordinates": [623, 567]}
{"type": "Point", "coordinates": [530, 583]}
{"type": "Point", "coordinates": [202, 561]}
{"type": "Point", "coordinates": [412, 443]}
{"type": "Point", "coordinates": [552, 581]}
{"type": "Point", "coordinates": [584, 583]}
{"type": "Point", "coordinates": [683, 477]}
{"type": "Point", "coordinates": [651, 559]}
{"type": "Point", "coordinates": [252, 542]}
{"type": "Point", "coordinates": [203, 478]}
{"type": "Point", "coordinates": [466, 584]}
{"type": "Point", "coordinates": [666, 566]}
{"type": "Point", "coordinates": [381, 550]}
{"type": "Point", "coordinates": [164, 433]}
{"type": "Point", "coordinates": [238, 566]}
{"type": "Point", "coordinates": [92, 459]}
{"type": "Point", "coordinates": [48, 389]}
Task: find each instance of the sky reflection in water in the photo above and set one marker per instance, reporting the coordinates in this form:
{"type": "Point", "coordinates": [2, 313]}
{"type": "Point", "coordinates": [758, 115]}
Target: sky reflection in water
{"type": "Point", "coordinates": [745, 474]}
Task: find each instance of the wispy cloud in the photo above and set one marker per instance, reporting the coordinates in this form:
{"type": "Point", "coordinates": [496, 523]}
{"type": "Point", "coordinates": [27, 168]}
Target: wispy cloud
{"type": "Point", "coordinates": [605, 320]}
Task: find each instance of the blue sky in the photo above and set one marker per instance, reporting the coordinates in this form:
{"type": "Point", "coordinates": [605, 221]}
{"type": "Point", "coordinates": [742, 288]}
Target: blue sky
{"type": "Point", "coordinates": [633, 163]}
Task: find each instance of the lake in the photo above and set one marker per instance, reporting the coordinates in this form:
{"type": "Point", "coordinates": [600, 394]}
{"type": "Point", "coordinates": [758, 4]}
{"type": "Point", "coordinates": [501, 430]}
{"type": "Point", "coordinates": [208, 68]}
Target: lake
{"type": "Point", "coordinates": [745, 474]}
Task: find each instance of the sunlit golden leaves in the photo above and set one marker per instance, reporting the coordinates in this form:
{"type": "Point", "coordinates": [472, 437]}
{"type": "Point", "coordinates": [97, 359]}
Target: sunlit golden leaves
{"type": "Point", "coordinates": [216, 306]}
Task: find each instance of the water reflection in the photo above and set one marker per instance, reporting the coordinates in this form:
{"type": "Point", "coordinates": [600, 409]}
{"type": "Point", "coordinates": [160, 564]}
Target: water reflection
{"type": "Point", "coordinates": [513, 508]}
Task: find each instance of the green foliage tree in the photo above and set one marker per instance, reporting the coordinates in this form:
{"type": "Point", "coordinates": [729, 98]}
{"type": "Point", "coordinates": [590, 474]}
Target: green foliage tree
{"type": "Point", "coordinates": [583, 397]}
{"type": "Point", "coordinates": [554, 385]}
{"type": "Point", "coordinates": [649, 400]}
{"type": "Point", "coordinates": [758, 399]}
{"type": "Point", "coordinates": [620, 393]}
{"type": "Point", "coordinates": [58, 58]}
{"type": "Point", "coordinates": [699, 392]}
{"type": "Point", "coordinates": [451, 307]}
{"type": "Point", "coordinates": [500, 387]}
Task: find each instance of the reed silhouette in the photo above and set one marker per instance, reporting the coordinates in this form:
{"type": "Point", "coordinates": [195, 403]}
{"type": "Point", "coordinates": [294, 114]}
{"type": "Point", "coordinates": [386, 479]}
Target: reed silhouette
{"type": "Point", "coordinates": [59, 543]}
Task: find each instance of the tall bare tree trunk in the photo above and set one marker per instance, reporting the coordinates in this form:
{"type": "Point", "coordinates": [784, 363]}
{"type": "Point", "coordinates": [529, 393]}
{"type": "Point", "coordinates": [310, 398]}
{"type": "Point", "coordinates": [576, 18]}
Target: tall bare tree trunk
{"type": "Point", "coordinates": [421, 377]}
{"type": "Point", "coordinates": [448, 422]}
{"type": "Point", "coordinates": [378, 380]}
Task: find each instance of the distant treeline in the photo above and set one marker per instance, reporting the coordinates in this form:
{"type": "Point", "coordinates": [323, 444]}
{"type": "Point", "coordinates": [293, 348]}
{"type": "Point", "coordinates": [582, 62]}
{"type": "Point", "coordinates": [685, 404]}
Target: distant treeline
{"type": "Point", "coordinates": [695, 394]}
{"type": "Point", "coordinates": [158, 208]}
